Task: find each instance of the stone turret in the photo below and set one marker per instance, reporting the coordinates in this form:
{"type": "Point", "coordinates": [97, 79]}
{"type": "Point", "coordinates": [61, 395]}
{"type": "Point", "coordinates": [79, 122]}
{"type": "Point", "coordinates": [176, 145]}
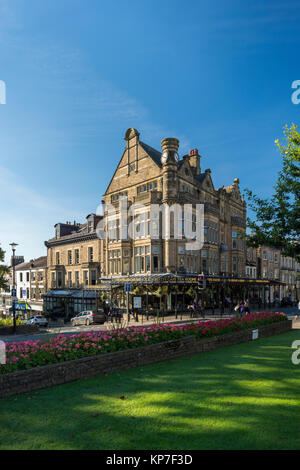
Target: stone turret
{"type": "Point", "coordinates": [169, 159]}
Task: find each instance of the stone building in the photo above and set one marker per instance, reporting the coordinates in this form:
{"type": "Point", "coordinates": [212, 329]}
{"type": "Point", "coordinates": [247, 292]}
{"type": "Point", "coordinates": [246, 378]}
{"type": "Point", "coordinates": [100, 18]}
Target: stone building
{"type": "Point", "coordinates": [78, 259]}
{"type": "Point", "coordinates": [75, 261]}
{"type": "Point", "coordinates": [289, 272]}
{"type": "Point", "coordinates": [268, 263]}
{"type": "Point", "coordinates": [147, 176]}
{"type": "Point", "coordinates": [74, 255]}
{"type": "Point", "coordinates": [251, 262]}
{"type": "Point", "coordinates": [268, 267]}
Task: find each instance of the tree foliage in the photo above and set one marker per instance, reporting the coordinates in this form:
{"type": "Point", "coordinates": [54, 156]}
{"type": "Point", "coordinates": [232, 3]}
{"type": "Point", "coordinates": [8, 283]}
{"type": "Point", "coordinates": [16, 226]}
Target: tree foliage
{"type": "Point", "coordinates": [4, 272]}
{"type": "Point", "coordinates": [277, 219]}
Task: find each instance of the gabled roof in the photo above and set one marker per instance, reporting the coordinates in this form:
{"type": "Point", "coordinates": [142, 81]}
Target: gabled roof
{"type": "Point", "coordinates": [200, 177]}
{"type": "Point", "coordinates": [154, 154]}
{"type": "Point", "coordinates": [73, 235]}
{"type": "Point", "coordinates": [38, 263]}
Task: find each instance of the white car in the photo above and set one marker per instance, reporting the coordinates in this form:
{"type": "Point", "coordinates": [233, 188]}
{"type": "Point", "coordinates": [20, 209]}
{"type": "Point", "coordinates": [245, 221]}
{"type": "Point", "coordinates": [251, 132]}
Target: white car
{"type": "Point", "coordinates": [37, 320]}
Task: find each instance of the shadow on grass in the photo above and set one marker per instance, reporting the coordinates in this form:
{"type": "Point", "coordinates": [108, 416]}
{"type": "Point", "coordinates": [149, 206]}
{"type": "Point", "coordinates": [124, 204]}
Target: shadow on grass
{"type": "Point", "coordinates": [239, 397]}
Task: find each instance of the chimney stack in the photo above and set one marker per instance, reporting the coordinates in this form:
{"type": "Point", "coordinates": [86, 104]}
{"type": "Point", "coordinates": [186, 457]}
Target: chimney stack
{"type": "Point", "coordinates": [194, 159]}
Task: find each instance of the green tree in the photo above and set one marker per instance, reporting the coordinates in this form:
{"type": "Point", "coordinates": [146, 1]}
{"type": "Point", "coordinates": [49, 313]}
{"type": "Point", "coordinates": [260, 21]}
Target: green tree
{"type": "Point", "coordinates": [277, 219]}
{"type": "Point", "coordinates": [4, 271]}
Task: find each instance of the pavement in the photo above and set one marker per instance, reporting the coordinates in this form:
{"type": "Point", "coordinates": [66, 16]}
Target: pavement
{"type": "Point", "coordinates": [68, 329]}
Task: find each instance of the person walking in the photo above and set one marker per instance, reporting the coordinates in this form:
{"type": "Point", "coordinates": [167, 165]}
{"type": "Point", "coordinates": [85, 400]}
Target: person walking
{"type": "Point", "coordinates": [246, 306]}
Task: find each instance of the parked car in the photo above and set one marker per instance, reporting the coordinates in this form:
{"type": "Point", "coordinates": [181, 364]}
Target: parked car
{"type": "Point", "coordinates": [37, 320]}
{"type": "Point", "coordinates": [89, 317]}
{"type": "Point", "coordinates": [287, 302]}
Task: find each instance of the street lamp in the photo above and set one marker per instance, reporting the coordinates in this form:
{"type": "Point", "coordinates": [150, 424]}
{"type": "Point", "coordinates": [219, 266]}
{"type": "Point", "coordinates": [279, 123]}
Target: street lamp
{"type": "Point", "coordinates": [13, 247]}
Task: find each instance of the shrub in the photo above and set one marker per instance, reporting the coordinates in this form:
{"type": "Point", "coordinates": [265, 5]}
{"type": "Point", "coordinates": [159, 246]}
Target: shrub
{"type": "Point", "coordinates": [10, 322]}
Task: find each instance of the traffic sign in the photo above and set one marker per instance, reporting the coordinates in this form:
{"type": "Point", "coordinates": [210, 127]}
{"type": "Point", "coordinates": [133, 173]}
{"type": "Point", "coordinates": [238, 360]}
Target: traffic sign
{"type": "Point", "coordinates": [127, 287]}
{"type": "Point", "coordinates": [14, 292]}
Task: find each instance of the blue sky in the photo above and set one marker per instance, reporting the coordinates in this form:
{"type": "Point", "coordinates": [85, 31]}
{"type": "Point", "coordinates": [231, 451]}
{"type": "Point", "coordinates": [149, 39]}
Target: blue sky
{"type": "Point", "coordinates": [215, 74]}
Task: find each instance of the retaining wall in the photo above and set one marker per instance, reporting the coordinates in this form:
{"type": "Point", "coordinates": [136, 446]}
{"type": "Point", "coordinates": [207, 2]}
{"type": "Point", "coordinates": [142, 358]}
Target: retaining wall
{"type": "Point", "coordinates": [63, 372]}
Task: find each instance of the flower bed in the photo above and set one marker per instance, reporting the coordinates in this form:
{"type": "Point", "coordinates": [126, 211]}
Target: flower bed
{"type": "Point", "coordinates": [30, 354]}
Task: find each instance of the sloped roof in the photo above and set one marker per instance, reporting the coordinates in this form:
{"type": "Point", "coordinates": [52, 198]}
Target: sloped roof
{"type": "Point", "coordinates": [154, 154]}
{"type": "Point", "coordinates": [75, 234]}
{"type": "Point", "coordinates": [200, 177]}
{"type": "Point", "coordinates": [37, 263]}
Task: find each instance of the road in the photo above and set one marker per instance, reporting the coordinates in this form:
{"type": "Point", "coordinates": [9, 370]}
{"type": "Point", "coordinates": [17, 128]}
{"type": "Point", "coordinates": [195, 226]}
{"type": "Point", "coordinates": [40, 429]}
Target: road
{"type": "Point", "coordinates": [69, 330]}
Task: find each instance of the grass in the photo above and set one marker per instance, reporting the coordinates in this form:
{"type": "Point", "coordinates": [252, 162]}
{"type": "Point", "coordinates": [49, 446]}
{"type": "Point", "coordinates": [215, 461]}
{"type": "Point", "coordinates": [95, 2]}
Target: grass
{"type": "Point", "coordinates": [240, 397]}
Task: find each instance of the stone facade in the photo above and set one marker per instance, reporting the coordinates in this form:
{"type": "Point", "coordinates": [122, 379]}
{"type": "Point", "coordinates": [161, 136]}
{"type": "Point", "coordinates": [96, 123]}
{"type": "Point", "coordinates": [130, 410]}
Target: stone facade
{"type": "Point", "coordinates": [77, 258]}
{"type": "Point", "coordinates": [146, 176]}
{"type": "Point", "coordinates": [268, 263]}
{"type": "Point", "coordinates": [75, 255]}
{"type": "Point", "coordinates": [251, 263]}
{"type": "Point", "coordinates": [290, 277]}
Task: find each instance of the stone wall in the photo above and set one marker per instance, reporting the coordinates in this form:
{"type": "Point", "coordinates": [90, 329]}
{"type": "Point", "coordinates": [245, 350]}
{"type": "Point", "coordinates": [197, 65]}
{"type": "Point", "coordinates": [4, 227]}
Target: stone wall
{"type": "Point", "coordinates": [55, 374]}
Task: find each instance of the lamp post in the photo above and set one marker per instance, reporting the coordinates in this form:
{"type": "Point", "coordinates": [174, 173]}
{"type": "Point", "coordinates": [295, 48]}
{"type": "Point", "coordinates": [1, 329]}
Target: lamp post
{"type": "Point", "coordinates": [13, 247]}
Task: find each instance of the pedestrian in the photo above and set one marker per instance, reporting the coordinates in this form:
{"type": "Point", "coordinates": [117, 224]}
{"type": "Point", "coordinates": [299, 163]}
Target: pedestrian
{"type": "Point", "coordinates": [246, 306]}
{"type": "Point", "coordinates": [242, 307]}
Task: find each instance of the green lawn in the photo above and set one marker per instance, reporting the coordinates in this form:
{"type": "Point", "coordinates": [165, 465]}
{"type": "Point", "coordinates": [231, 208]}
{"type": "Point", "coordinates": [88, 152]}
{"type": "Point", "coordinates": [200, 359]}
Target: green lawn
{"type": "Point", "coordinates": [240, 397]}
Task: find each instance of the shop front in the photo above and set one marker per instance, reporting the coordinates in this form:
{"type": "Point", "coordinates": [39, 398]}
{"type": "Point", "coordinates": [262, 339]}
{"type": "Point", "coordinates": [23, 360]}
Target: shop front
{"type": "Point", "coordinates": [170, 293]}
